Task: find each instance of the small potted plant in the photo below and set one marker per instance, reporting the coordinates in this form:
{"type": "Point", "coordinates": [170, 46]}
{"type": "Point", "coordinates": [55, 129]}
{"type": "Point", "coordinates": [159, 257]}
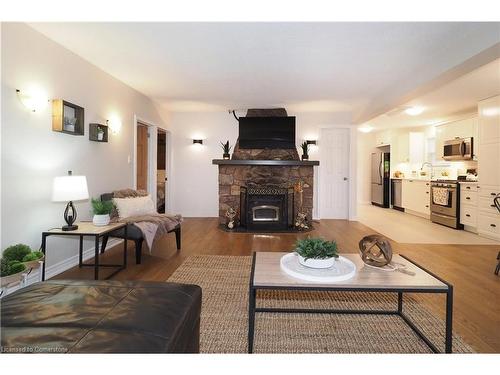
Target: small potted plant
{"type": "Point", "coordinates": [316, 252]}
{"type": "Point", "coordinates": [32, 259]}
{"type": "Point", "coordinates": [102, 210]}
{"type": "Point", "coordinates": [226, 149]}
{"type": "Point", "coordinates": [305, 150]}
{"type": "Point", "coordinates": [11, 266]}
{"type": "Point", "coordinates": [100, 133]}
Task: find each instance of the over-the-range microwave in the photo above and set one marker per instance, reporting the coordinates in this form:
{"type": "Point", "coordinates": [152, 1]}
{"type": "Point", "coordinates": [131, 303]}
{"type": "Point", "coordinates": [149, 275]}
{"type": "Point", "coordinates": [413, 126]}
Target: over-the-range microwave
{"type": "Point", "coordinates": [458, 149]}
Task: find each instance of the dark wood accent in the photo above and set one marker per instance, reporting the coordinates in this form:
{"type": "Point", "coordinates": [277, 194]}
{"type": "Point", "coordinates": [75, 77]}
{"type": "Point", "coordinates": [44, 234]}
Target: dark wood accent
{"type": "Point", "coordinates": [266, 162]}
{"type": "Point", "coordinates": [142, 157]}
{"type": "Point", "coordinates": [93, 132]}
{"type": "Point", "coordinates": [162, 149]}
{"type": "Point", "coordinates": [58, 117]}
{"type": "Point", "coordinates": [469, 268]}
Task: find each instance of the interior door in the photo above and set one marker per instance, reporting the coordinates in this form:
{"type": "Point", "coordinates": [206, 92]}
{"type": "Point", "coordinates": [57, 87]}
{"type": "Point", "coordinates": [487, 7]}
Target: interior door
{"type": "Point", "coordinates": [161, 171]}
{"type": "Point", "coordinates": [334, 173]}
{"type": "Point", "coordinates": [142, 157]}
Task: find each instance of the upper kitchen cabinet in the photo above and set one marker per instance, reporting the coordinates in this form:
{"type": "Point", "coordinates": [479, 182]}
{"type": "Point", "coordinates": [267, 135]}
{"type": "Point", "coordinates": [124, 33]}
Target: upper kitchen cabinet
{"type": "Point", "coordinates": [383, 138]}
{"type": "Point", "coordinates": [408, 147]}
{"type": "Point", "coordinates": [489, 120]}
{"type": "Point", "coordinates": [467, 128]}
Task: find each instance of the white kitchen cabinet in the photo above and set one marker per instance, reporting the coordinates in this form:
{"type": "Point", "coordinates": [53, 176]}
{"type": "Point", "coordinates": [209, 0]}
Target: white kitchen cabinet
{"type": "Point", "coordinates": [469, 197]}
{"type": "Point", "coordinates": [466, 128]}
{"type": "Point", "coordinates": [408, 147]}
{"type": "Point", "coordinates": [416, 196]}
{"type": "Point", "coordinates": [489, 120]}
{"type": "Point", "coordinates": [488, 218]}
{"type": "Point", "coordinates": [489, 226]}
{"type": "Point", "coordinates": [489, 164]}
{"type": "Point", "coordinates": [488, 221]}
{"type": "Point", "coordinates": [383, 138]}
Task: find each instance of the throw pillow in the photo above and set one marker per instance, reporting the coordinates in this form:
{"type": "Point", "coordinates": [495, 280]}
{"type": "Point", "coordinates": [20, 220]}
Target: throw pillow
{"type": "Point", "coordinates": [136, 206]}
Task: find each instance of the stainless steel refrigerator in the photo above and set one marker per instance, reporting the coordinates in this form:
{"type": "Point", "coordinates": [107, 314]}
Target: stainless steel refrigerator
{"type": "Point", "coordinates": [380, 181]}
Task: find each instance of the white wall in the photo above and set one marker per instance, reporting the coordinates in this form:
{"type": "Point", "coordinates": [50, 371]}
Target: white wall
{"type": "Point", "coordinates": [32, 154]}
{"type": "Point", "coordinates": [195, 180]}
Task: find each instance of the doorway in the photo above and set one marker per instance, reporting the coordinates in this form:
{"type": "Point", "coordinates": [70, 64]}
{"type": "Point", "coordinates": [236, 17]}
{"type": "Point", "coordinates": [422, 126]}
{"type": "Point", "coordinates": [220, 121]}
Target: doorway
{"type": "Point", "coordinates": [161, 170]}
{"type": "Point", "coordinates": [142, 152]}
{"type": "Point", "coordinates": [334, 173]}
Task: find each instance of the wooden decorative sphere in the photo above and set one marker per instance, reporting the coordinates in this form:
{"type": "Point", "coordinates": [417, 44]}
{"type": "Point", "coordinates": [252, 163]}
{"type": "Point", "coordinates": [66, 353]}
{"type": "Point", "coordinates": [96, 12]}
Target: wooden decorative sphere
{"type": "Point", "coordinates": [375, 250]}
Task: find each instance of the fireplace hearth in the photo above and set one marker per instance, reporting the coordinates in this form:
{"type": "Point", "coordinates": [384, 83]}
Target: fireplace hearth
{"type": "Point", "coordinates": [266, 208]}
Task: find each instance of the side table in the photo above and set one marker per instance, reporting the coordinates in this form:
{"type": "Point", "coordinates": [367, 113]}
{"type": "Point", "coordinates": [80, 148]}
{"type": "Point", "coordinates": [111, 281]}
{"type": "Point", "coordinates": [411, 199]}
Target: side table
{"type": "Point", "coordinates": [90, 230]}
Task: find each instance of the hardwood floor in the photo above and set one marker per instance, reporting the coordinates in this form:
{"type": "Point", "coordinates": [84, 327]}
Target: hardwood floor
{"type": "Point", "coordinates": [468, 267]}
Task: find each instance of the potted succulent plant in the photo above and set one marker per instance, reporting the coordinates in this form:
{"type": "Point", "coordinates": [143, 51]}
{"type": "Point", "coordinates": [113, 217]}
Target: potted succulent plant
{"type": "Point", "coordinates": [102, 210]}
{"type": "Point", "coordinates": [305, 150]}
{"type": "Point", "coordinates": [316, 252]}
{"type": "Point", "coordinates": [100, 133]}
{"type": "Point", "coordinates": [32, 259]}
{"type": "Point", "coordinates": [11, 265]}
{"type": "Point", "coordinates": [226, 149]}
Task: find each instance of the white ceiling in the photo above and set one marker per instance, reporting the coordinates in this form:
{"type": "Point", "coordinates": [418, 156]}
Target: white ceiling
{"type": "Point", "coordinates": [355, 68]}
{"type": "Point", "coordinates": [454, 100]}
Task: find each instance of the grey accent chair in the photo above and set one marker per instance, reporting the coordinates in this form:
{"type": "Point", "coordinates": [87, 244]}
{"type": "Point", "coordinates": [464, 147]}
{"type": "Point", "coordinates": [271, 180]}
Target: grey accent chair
{"type": "Point", "coordinates": [134, 234]}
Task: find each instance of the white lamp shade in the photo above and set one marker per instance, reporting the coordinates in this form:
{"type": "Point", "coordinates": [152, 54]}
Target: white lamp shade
{"type": "Point", "coordinates": [69, 188]}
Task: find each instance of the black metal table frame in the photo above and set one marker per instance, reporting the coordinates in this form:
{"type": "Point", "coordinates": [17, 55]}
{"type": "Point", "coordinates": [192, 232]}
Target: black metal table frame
{"type": "Point", "coordinates": [252, 309]}
{"type": "Point", "coordinates": [96, 263]}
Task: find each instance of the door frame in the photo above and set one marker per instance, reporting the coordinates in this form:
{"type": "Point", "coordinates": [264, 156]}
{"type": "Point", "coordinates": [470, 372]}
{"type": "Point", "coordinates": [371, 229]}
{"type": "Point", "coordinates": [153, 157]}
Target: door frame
{"type": "Point", "coordinates": [152, 155]}
{"type": "Point", "coordinates": [352, 179]}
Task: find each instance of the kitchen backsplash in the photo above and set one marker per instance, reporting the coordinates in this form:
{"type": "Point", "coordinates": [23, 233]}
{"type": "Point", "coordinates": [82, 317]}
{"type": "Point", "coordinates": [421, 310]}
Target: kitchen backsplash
{"type": "Point", "coordinates": [450, 169]}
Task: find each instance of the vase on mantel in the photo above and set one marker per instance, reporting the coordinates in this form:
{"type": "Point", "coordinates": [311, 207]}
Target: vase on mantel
{"type": "Point", "coordinates": [305, 157]}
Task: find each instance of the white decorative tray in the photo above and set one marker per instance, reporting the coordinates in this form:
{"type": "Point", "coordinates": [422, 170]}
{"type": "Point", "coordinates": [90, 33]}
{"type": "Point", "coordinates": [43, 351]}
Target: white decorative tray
{"type": "Point", "coordinates": [343, 269]}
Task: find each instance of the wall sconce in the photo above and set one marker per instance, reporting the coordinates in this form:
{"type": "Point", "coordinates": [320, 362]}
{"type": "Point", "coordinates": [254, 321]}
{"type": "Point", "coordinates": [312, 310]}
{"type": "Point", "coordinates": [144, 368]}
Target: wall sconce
{"type": "Point", "coordinates": [114, 124]}
{"type": "Point", "coordinates": [312, 143]}
{"type": "Point", "coordinates": [198, 141]}
{"type": "Point", "coordinates": [34, 100]}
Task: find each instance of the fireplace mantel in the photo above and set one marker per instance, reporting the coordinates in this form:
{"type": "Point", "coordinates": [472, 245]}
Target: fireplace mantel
{"type": "Point", "coordinates": [266, 162]}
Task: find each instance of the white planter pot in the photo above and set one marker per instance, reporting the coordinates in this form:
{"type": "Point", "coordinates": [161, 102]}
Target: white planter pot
{"type": "Point", "coordinates": [317, 263]}
{"type": "Point", "coordinates": [100, 136]}
{"type": "Point", "coordinates": [101, 220]}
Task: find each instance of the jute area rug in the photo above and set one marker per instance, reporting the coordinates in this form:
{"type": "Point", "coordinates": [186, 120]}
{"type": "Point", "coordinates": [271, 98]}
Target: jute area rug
{"type": "Point", "coordinates": [224, 281]}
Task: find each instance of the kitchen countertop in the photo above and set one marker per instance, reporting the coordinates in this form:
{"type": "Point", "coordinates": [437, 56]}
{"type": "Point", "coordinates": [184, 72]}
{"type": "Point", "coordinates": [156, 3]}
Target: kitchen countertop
{"type": "Point", "coordinates": [429, 180]}
{"type": "Point", "coordinates": [411, 178]}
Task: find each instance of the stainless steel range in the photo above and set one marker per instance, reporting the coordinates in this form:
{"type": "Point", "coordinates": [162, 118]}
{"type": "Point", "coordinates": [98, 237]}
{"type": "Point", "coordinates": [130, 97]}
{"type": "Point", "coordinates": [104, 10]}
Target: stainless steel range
{"type": "Point", "coordinates": [445, 203]}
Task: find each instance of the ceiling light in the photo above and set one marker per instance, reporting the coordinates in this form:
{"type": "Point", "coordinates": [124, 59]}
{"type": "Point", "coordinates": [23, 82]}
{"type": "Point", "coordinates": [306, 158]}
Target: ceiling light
{"type": "Point", "coordinates": [365, 129]}
{"type": "Point", "coordinates": [491, 112]}
{"type": "Point", "coordinates": [414, 111]}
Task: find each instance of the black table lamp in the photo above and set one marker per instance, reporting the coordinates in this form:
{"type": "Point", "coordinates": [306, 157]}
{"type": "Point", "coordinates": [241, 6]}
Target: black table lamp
{"type": "Point", "coordinates": [68, 189]}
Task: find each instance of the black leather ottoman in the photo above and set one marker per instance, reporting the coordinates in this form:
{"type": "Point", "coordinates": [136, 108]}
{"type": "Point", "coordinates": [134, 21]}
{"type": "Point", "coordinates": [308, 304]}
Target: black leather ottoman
{"type": "Point", "coordinates": [72, 316]}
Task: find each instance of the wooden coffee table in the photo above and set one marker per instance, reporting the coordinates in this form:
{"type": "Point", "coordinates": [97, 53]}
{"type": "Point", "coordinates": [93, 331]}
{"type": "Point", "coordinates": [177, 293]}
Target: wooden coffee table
{"type": "Point", "coordinates": [267, 274]}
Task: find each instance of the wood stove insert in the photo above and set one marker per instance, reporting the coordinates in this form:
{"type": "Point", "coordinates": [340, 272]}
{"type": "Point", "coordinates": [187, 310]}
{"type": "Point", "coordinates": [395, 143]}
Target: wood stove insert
{"type": "Point", "coordinates": [266, 208]}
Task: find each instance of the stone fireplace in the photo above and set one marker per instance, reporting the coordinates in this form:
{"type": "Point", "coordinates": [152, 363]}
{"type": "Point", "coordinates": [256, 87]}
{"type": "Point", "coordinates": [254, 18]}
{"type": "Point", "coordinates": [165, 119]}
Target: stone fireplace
{"type": "Point", "coordinates": [237, 177]}
{"type": "Point", "coordinates": [259, 184]}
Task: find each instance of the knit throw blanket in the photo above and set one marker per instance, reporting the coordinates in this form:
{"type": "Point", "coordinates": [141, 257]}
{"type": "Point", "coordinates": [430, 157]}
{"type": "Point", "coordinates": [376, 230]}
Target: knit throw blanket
{"type": "Point", "coordinates": [152, 226]}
